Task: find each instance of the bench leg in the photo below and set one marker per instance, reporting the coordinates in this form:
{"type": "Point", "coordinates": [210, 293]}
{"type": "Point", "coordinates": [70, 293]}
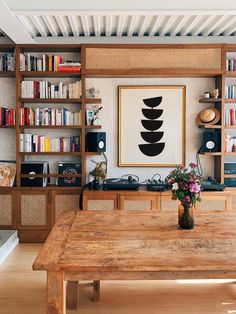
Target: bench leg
{"type": "Point", "coordinates": [96, 290]}
{"type": "Point", "coordinates": [72, 289]}
{"type": "Point", "coordinates": [55, 303]}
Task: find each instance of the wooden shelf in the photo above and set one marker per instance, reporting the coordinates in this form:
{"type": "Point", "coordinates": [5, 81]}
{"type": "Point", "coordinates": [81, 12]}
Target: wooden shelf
{"type": "Point", "coordinates": [210, 126]}
{"type": "Point", "coordinates": [210, 100]}
{"type": "Point", "coordinates": [51, 187]}
{"type": "Point", "coordinates": [93, 100]}
{"type": "Point", "coordinates": [51, 127]}
{"type": "Point", "coordinates": [50, 100]}
{"type": "Point", "coordinates": [7, 73]}
{"type": "Point", "coordinates": [230, 73]}
{"type": "Point", "coordinates": [7, 126]}
{"type": "Point", "coordinates": [229, 175]}
{"type": "Point", "coordinates": [230, 153]}
{"type": "Point", "coordinates": [230, 100]}
{"type": "Point", "coordinates": [93, 126]}
{"type": "Point", "coordinates": [211, 153]}
{"type": "Point", "coordinates": [50, 153]}
{"type": "Point", "coordinates": [230, 127]}
{"type": "Point", "coordinates": [49, 74]}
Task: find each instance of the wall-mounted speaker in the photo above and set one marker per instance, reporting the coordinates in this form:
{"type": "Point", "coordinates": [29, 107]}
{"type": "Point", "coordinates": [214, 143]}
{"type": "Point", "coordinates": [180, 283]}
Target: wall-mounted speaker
{"type": "Point", "coordinates": [96, 142]}
{"type": "Point", "coordinates": [211, 142]}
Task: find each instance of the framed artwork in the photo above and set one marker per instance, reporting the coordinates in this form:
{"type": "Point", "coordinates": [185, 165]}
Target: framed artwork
{"type": "Point", "coordinates": [151, 126]}
{"type": "Point", "coordinates": [89, 116]}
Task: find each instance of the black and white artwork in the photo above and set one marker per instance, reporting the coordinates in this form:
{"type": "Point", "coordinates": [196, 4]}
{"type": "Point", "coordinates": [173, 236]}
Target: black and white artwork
{"type": "Point", "coordinates": [151, 125]}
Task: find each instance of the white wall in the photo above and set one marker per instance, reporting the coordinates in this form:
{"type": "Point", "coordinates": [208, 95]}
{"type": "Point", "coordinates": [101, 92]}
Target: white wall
{"type": "Point", "coordinates": [195, 87]}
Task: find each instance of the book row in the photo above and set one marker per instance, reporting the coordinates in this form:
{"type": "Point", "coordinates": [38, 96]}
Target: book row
{"type": "Point", "coordinates": [230, 143]}
{"type": "Point", "coordinates": [39, 143]}
{"type": "Point", "coordinates": [230, 91]}
{"type": "Point", "coordinates": [230, 117]}
{"type": "Point", "coordinates": [28, 62]}
{"type": "Point", "coordinates": [49, 117]}
{"type": "Point", "coordinates": [45, 89]}
{"type": "Point", "coordinates": [230, 65]}
{"type": "Point", "coordinates": [7, 62]}
{"type": "Point", "coordinates": [7, 116]}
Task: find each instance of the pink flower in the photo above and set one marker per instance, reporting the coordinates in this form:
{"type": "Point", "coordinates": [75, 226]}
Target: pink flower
{"type": "Point", "coordinates": [194, 188]}
{"type": "Point", "coordinates": [193, 165]}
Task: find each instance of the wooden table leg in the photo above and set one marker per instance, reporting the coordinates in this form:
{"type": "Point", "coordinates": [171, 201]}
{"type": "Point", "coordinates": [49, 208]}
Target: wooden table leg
{"type": "Point", "coordinates": [55, 293]}
{"type": "Point", "coordinates": [96, 290]}
{"type": "Point", "coordinates": [72, 301]}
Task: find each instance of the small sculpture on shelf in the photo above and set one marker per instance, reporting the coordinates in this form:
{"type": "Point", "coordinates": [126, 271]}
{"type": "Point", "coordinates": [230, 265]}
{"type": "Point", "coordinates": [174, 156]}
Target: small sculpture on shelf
{"type": "Point", "coordinates": [93, 92]}
{"type": "Point", "coordinates": [99, 173]}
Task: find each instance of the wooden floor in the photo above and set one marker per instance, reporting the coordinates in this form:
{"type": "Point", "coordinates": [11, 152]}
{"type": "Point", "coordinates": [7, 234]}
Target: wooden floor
{"type": "Point", "coordinates": [22, 291]}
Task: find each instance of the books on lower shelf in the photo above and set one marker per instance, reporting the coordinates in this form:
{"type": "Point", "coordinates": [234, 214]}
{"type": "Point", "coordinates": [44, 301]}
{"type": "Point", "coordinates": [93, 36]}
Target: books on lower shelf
{"type": "Point", "coordinates": [230, 91]}
{"type": "Point", "coordinates": [45, 62]}
{"type": "Point", "coordinates": [7, 62]}
{"type": "Point", "coordinates": [49, 117]}
{"type": "Point", "coordinates": [230, 65]}
{"type": "Point", "coordinates": [7, 116]}
{"type": "Point", "coordinates": [230, 143]}
{"type": "Point", "coordinates": [38, 143]}
{"type": "Point", "coordinates": [45, 89]}
{"type": "Point", "coordinates": [230, 117]}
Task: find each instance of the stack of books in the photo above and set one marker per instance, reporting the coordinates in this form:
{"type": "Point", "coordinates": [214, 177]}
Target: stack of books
{"type": "Point", "coordinates": [49, 117]}
{"type": "Point", "coordinates": [7, 62]}
{"type": "Point", "coordinates": [230, 65]}
{"type": "Point", "coordinates": [39, 143]}
{"type": "Point", "coordinates": [28, 62]}
{"type": "Point", "coordinates": [45, 89]}
{"type": "Point", "coordinates": [7, 116]}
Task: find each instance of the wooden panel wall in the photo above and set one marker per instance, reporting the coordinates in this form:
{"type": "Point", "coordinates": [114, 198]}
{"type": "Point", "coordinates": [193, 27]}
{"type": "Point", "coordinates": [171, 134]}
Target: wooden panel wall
{"type": "Point", "coordinates": [152, 58]}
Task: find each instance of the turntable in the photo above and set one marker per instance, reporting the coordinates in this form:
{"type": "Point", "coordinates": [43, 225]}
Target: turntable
{"type": "Point", "coordinates": [121, 184]}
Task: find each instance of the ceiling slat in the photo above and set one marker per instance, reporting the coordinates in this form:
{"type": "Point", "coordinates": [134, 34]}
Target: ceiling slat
{"type": "Point", "coordinates": [224, 25]}
{"type": "Point", "coordinates": [202, 24]}
{"type": "Point", "coordinates": [132, 25]}
{"type": "Point", "coordinates": [40, 25]}
{"type": "Point", "coordinates": [48, 20]}
{"type": "Point", "coordinates": [190, 25]}
{"type": "Point", "coordinates": [74, 25]}
{"type": "Point", "coordinates": [62, 25]}
{"type": "Point", "coordinates": [85, 25]}
{"type": "Point", "coordinates": [169, 23]}
{"type": "Point", "coordinates": [108, 25]}
{"type": "Point", "coordinates": [120, 25]}
{"type": "Point", "coordinates": [155, 27]}
{"type": "Point", "coordinates": [97, 25]}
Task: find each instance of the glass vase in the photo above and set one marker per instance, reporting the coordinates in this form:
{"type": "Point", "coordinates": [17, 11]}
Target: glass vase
{"type": "Point", "coordinates": [185, 217]}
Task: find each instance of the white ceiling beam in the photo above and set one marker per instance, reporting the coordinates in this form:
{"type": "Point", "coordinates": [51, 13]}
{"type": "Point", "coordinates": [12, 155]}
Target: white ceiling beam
{"type": "Point", "coordinates": [215, 23]}
{"type": "Point", "coordinates": [85, 25]}
{"type": "Point", "coordinates": [12, 27]}
{"type": "Point", "coordinates": [143, 27]}
{"type": "Point", "coordinates": [120, 25]}
{"type": "Point", "coordinates": [132, 25]}
{"type": "Point", "coordinates": [183, 20]}
{"type": "Point", "coordinates": [51, 25]}
{"type": "Point", "coordinates": [74, 25]}
{"type": "Point", "coordinates": [156, 25]}
{"type": "Point", "coordinates": [187, 29]}
{"type": "Point", "coordinates": [170, 21]}
{"type": "Point", "coordinates": [108, 28]}
{"type": "Point", "coordinates": [202, 25]}
{"type": "Point", "coordinates": [26, 22]}
{"type": "Point", "coordinates": [38, 23]}
{"type": "Point", "coordinates": [224, 26]}
{"type": "Point", "coordinates": [97, 25]}
{"type": "Point", "coordinates": [230, 31]}
{"type": "Point", "coordinates": [62, 25]}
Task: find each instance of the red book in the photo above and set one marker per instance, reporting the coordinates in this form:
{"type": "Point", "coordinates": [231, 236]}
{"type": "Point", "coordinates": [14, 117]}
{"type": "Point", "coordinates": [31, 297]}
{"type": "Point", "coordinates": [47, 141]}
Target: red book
{"type": "Point", "coordinates": [232, 116]}
{"type": "Point", "coordinates": [69, 69]}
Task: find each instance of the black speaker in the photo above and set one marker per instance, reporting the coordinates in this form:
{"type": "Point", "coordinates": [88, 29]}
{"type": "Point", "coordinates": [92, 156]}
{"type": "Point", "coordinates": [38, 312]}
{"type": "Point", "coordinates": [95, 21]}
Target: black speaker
{"type": "Point", "coordinates": [96, 142]}
{"type": "Point", "coordinates": [210, 142]}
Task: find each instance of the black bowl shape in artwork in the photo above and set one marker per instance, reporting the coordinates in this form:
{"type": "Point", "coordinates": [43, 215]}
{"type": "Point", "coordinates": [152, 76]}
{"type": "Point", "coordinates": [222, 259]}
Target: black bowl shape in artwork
{"type": "Point", "coordinates": [151, 125]}
{"type": "Point", "coordinates": [152, 114]}
{"type": "Point", "coordinates": [152, 149]}
{"type": "Point", "coordinates": [153, 102]}
{"type": "Point", "coordinates": [152, 137]}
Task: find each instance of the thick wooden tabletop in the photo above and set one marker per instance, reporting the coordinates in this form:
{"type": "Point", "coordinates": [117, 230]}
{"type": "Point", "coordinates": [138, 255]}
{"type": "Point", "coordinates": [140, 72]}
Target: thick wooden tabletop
{"type": "Point", "coordinates": [139, 241]}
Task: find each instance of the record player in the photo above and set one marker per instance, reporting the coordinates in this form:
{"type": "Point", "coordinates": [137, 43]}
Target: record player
{"type": "Point", "coordinates": [121, 184]}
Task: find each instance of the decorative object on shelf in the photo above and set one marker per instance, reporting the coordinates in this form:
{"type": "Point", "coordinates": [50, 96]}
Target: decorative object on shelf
{"type": "Point", "coordinates": [35, 168]}
{"type": "Point", "coordinates": [206, 95]}
{"type": "Point", "coordinates": [186, 187]}
{"type": "Point", "coordinates": [96, 119]}
{"type": "Point", "coordinates": [140, 144]}
{"type": "Point", "coordinates": [89, 116]}
{"type": "Point", "coordinates": [99, 173]}
{"type": "Point", "coordinates": [71, 168]}
{"type": "Point", "coordinates": [215, 93]}
{"type": "Point", "coordinates": [93, 92]}
{"type": "Point", "coordinates": [7, 172]}
{"type": "Point", "coordinates": [208, 116]}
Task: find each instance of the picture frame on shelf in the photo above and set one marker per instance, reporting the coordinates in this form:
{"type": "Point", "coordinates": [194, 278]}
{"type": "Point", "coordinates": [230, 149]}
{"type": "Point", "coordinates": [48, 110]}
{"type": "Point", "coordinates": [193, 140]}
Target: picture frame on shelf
{"type": "Point", "coordinates": [152, 134]}
{"type": "Point", "coordinates": [89, 116]}
{"type": "Point", "coordinates": [7, 173]}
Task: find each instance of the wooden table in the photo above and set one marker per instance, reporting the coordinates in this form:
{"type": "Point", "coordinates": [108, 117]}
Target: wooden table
{"type": "Point", "coordinates": [134, 245]}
